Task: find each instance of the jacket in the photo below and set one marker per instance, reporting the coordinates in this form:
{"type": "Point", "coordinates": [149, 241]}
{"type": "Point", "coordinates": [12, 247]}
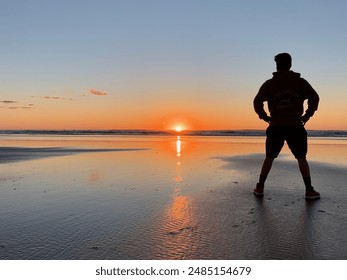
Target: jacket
{"type": "Point", "coordinates": [285, 94]}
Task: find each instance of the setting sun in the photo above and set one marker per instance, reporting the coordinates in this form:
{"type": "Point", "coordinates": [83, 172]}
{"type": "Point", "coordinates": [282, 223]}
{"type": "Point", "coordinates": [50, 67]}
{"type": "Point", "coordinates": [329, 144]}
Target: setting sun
{"type": "Point", "coordinates": [178, 128]}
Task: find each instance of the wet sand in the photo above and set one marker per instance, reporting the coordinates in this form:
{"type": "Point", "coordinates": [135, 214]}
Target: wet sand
{"type": "Point", "coordinates": [13, 154]}
{"type": "Point", "coordinates": [167, 198]}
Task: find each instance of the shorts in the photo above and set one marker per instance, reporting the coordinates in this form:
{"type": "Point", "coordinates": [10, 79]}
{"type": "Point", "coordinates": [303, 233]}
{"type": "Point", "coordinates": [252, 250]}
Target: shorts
{"type": "Point", "coordinates": [294, 135]}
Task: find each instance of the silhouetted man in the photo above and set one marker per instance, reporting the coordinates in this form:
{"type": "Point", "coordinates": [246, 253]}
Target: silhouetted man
{"type": "Point", "coordinates": [285, 94]}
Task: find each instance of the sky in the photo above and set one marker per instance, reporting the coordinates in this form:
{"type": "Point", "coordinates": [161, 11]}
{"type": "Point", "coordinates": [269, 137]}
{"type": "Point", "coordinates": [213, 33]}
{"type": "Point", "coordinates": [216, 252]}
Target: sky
{"type": "Point", "coordinates": [157, 64]}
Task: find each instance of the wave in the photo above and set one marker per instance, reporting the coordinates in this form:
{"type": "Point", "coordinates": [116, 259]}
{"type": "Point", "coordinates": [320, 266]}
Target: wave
{"type": "Point", "coordinates": [144, 132]}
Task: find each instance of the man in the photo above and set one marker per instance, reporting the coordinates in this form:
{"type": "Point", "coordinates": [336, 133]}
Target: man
{"type": "Point", "coordinates": [285, 94]}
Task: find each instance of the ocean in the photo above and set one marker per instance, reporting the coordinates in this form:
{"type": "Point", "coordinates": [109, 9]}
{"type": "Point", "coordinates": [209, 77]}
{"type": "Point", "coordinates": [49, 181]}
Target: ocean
{"type": "Point", "coordinates": [144, 132]}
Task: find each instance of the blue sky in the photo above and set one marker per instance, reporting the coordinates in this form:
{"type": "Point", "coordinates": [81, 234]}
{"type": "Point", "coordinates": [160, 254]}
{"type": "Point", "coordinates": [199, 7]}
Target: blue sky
{"type": "Point", "coordinates": [188, 57]}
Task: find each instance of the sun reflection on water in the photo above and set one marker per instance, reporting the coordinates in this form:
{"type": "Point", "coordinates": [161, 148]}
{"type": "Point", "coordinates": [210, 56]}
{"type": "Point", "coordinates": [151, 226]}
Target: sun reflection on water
{"type": "Point", "coordinates": [178, 146]}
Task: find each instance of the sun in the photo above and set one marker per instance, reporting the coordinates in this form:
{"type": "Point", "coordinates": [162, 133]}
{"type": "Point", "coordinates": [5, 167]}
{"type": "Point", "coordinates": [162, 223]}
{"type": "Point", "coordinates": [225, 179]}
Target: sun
{"type": "Point", "coordinates": [178, 128]}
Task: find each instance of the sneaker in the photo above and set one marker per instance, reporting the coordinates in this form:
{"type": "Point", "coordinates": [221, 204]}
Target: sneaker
{"type": "Point", "coordinates": [312, 195]}
{"type": "Point", "coordinates": [258, 191]}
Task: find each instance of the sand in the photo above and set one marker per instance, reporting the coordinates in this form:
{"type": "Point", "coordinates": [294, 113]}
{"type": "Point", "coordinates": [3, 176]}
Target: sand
{"type": "Point", "coordinates": [155, 198]}
{"type": "Point", "coordinates": [13, 154]}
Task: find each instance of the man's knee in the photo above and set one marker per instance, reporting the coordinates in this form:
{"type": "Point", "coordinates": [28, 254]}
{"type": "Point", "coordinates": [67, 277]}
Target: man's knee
{"type": "Point", "coordinates": [301, 158]}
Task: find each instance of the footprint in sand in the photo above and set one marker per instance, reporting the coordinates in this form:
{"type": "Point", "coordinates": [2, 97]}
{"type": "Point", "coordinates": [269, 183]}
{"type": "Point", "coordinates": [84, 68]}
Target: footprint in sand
{"type": "Point", "coordinates": [181, 230]}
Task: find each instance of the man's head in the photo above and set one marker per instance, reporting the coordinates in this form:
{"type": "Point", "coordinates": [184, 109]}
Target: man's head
{"type": "Point", "coordinates": [283, 61]}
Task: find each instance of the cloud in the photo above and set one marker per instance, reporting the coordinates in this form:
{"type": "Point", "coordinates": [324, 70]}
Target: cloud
{"type": "Point", "coordinates": [50, 98]}
{"type": "Point", "coordinates": [8, 101]}
{"type": "Point", "coordinates": [54, 97]}
{"type": "Point", "coordinates": [98, 92]}
{"type": "Point", "coordinates": [20, 107]}
{"type": "Point", "coordinates": [29, 106]}
{"type": "Point", "coordinates": [15, 107]}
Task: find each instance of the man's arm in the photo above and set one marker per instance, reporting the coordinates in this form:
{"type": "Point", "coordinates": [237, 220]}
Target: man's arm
{"type": "Point", "coordinates": [258, 104]}
{"type": "Point", "coordinates": [312, 101]}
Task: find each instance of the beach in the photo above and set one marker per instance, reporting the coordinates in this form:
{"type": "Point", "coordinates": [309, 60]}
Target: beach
{"type": "Point", "coordinates": [167, 197]}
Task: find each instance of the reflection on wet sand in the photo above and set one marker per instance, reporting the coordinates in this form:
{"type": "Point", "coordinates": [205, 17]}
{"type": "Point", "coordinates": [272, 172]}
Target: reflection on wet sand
{"type": "Point", "coordinates": [174, 198]}
{"type": "Point", "coordinates": [178, 222]}
{"type": "Point", "coordinates": [275, 242]}
{"type": "Point", "coordinates": [178, 146]}
{"type": "Point", "coordinates": [178, 177]}
{"type": "Point", "coordinates": [178, 229]}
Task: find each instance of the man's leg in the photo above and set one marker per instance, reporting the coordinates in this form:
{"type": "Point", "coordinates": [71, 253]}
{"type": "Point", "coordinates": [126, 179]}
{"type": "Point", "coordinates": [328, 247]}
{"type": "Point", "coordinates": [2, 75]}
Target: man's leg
{"type": "Point", "coordinates": [297, 142]}
{"type": "Point", "coordinates": [305, 172]}
{"type": "Point", "coordinates": [304, 168]}
{"type": "Point", "coordinates": [273, 145]}
{"type": "Point", "coordinates": [266, 167]}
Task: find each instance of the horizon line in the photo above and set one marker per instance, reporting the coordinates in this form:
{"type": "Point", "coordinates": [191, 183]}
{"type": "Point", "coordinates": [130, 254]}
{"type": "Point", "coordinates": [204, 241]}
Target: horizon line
{"type": "Point", "coordinates": [149, 129]}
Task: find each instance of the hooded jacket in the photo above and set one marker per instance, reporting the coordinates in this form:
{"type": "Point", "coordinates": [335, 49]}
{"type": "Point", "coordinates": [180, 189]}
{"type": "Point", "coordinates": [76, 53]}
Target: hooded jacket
{"type": "Point", "coordinates": [285, 94]}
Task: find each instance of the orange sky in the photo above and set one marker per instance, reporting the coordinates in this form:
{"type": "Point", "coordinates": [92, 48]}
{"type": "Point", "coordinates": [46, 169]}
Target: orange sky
{"type": "Point", "coordinates": [119, 65]}
{"type": "Point", "coordinates": [94, 113]}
